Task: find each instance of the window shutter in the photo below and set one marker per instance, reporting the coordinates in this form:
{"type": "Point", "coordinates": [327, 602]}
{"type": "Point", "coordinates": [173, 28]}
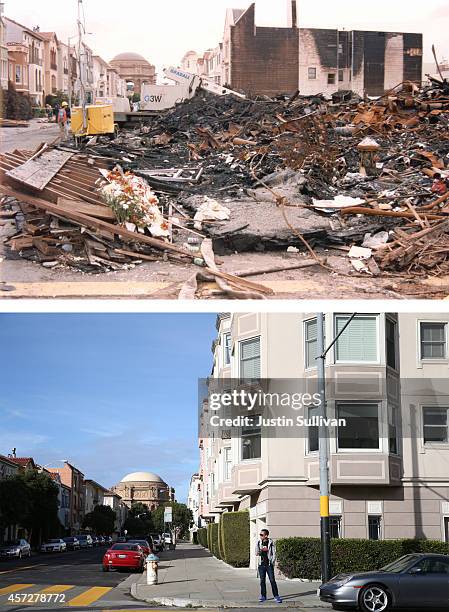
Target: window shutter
{"type": "Point", "coordinates": [250, 359]}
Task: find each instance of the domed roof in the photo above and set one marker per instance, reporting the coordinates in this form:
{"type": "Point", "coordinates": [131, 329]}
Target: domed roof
{"type": "Point", "coordinates": [142, 477]}
{"type": "Point", "coordinates": [129, 56]}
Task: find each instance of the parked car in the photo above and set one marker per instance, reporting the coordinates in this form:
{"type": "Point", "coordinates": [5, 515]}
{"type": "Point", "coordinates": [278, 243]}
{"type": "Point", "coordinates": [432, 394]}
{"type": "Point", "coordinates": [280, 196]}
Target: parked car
{"type": "Point", "coordinates": [167, 538]}
{"type": "Point", "coordinates": [15, 548]}
{"type": "Point", "coordinates": [85, 541]}
{"type": "Point", "coordinates": [95, 541]}
{"type": "Point", "coordinates": [124, 555]}
{"type": "Point", "coordinates": [415, 581]}
{"type": "Point", "coordinates": [144, 545]}
{"type": "Point", "coordinates": [121, 539]}
{"type": "Point", "coordinates": [108, 540]}
{"type": "Point", "coordinates": [158, 542]}
{"type": "Point", "coordinates": [101, 540]}
{"type": "Point", "coordinates": [54, 545]}
{"type": "Point", "coordinates": [72, 543]}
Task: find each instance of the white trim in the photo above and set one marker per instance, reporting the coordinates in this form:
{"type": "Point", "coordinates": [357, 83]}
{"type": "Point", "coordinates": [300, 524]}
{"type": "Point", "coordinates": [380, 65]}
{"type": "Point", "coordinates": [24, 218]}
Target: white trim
{"type": "Point", "coordinates": [379, 405]}
{"type": "Point", "coordinates": [376, 316]}
{"type": "Point", "coordinates": [429, 360]}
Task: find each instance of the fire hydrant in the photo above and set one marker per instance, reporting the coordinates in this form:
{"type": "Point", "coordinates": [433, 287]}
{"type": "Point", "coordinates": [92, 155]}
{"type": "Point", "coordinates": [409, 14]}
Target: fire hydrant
{"type": "Point", "coordinates": [152, 569]}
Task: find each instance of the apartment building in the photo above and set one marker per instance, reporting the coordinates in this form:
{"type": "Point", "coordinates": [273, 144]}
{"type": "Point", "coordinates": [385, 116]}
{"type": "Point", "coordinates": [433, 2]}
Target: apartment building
{"type": "Point", "coordinates": [52, 68]}
{"type": "Point", "coordinates": [28, 73]}
{"type": "Point", "coordinates": [193, 500]}
{"type": "Point", "coordinates": [281, 60]}
{"type": "Point", "coordinates": [73, 478]}
{"type": "Point", "coordinates": [63, 499]}
{"type": "Point", "coordinates": [3, 52]}
{"type": "Point", "coordinates": [94, 495]}
{"type": "Point", "coordinates": [387, 378]}
{"type": "Point", "coordinates": [115, 502]}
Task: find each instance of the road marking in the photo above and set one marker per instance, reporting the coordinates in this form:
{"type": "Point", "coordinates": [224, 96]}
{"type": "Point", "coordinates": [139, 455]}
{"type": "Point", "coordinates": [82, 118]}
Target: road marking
{"type": "Point", "coordinates": [17, 569]}
{"type": "Point", "coordinates": [14, 587]}
{"type": "Point", "coordinates": [57, 588]}
{"type": "Point", "coordinates": [89, 596]}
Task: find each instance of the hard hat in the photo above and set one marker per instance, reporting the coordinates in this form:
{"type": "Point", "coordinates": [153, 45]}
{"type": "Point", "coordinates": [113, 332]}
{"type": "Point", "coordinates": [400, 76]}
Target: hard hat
{"type": "Point", "coordinates": [64, 104]}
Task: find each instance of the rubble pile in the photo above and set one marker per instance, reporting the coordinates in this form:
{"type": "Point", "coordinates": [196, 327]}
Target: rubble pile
{"type": "Point", "coordinates": [370, 177]}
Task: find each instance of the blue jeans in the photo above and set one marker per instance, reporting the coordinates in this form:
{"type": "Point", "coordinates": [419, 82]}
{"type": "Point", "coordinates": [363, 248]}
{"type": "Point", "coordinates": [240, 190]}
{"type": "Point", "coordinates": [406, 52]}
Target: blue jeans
{"type": "Point", "coordinates": [265, 570]}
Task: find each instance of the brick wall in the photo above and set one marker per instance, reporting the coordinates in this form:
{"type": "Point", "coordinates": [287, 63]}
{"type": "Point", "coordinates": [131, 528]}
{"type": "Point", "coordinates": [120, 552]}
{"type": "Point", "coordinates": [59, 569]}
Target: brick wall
{"type": "Point", "coordinates": [264, 60]}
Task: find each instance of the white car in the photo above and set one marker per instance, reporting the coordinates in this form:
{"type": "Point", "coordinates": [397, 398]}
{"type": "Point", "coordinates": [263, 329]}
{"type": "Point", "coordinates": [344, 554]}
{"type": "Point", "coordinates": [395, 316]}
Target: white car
{"type": "Point", "coordinates": [55, 545]}
{"type": "Point", "coordinates": [16, 548]}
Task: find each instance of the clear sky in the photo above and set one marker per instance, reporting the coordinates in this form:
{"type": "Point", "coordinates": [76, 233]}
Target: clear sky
{"type": "Point", "coordinates": [164, 30]}
{"type": "Point", "coordinates": [112, 393]}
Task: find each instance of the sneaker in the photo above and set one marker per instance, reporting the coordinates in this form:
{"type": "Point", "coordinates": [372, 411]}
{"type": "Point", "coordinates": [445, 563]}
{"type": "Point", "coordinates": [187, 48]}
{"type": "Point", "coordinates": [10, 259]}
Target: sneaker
{"type": "Point", "coordinates": [262, 599]}
{"type": "Point", "coordinates": [278, 599]}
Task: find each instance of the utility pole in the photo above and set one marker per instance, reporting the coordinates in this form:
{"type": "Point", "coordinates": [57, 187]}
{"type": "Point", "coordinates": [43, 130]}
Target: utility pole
{"type": "Point", "coordinates": [323, 455]}
{"type": "Point", "coordinates": [323, 447]}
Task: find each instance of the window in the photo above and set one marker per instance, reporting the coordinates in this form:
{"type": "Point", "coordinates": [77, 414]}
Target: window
{"type": "Point", "coordinates": [340, 48]}
{"type": "Point", "coordinates": [313, 431]}
{"type": "Point", "coordinates": [18, 74]}
{"type": "Point", "coordinates": [446, 528]}
{"type": "Point", "coordinates": [433, 338]}
{"type": "Point", "coordinates": [310, 338]}
{"type": "Point", "coordinates": [335, 526]}
{"type": "Point", "coordinates": [362, 426]}
{"type": "Point", "coordinates": [251, 443]}
{"type": "Point", "coordinates": [227, 349]}
{"type": "Point", "coordinates": [374, 528]}
{"type": "Point", "coordinates": [390, 339]}
{"type": "Point", "coordinates": [312, 74]}
{"type": "Point", "coordinates": [358, 343]}
{"type": "Point", "coordinates": [433, 565]}
{"type": "Point", "coordinates": [393, 429]}
{"type": "Point", "coordinates": [341, 75]}
{"type": "Point", "coordinates": [250, 358]}
{"type": "Point", "coordinates": [227, 464]}
{"type": "Point", "coordinates": [435, 420]}
{"type": "Point", "coordinates": [331, 78]}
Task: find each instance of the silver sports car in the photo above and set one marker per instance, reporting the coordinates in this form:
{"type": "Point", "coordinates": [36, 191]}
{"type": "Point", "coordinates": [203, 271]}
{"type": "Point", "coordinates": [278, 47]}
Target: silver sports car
{"type": "Point", "coordinates": [416, 581]}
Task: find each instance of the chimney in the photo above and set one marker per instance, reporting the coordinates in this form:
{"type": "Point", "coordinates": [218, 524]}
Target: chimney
{"type": "Point", "coordinates": [292, 15]}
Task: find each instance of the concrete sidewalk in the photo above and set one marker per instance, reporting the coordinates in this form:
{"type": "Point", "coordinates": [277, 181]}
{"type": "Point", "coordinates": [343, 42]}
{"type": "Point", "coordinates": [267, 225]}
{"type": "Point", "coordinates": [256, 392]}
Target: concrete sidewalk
{"type": "Point", "coordinates": [191, 576]}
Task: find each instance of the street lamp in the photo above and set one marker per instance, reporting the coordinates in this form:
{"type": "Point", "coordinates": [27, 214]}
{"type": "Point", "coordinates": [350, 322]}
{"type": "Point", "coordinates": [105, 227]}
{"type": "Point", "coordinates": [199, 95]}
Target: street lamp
{"type": "Point", "coordinates": [326, 561]}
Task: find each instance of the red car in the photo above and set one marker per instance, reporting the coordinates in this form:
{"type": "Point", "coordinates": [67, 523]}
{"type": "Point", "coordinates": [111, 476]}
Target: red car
{"type": "Point", "coordinates": [144, 545]}
{"type": "Point", "coordinates": [130, 556]}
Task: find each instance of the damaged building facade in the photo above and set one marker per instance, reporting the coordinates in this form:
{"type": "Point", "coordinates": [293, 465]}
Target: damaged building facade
{"type": "Point", "coordinates": [281, 60]}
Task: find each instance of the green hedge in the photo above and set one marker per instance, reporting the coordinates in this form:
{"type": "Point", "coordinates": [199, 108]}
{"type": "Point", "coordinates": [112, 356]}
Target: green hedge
{"type": "Point", "coordinates": [300, 557]}
{"type": "Point", "coordinates": [214, 549]}
{"type": "Point", "coordinates": [202, 536]}
{"type": "Point", "coordinates": [209, 537]}
{"type": "Point", "coordinates": [235, 541]}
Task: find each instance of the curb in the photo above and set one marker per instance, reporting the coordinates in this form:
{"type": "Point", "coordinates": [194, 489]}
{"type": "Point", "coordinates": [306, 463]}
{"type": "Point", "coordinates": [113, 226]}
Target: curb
{"type": "Point", "coordinates": [178, 602]}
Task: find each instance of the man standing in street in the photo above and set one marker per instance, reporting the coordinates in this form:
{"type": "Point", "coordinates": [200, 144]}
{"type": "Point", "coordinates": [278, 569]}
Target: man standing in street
{"type": "Point", "coordinates": [62, 121]}
{"type": "Point", "coordinates": [266, 554]}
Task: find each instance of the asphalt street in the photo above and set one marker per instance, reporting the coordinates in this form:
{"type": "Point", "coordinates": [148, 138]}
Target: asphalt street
{"type": "Point", "coordinates": [78, 580]}
{"type": "Point", "coordinates": [28, 138]}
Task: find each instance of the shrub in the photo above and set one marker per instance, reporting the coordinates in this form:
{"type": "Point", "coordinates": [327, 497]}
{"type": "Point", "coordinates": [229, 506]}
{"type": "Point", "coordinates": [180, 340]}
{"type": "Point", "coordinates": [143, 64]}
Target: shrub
{"type": "Point", "coordinates": [209, 536]}
{"type": "Point", "coordinates": [235, 538]}
{"type": "Point", "coordinates": [214, 540]}
{"type": "Point", "coordinates": [300, 557]}
{"type": "Point", "coordinates": [220, 539]}
{"type": "Point", "coordinates": [202, 536]}
{"type": "Point", "coordinates": [195, 537]}
{"type": "Point", "coordinates": [15, 105]}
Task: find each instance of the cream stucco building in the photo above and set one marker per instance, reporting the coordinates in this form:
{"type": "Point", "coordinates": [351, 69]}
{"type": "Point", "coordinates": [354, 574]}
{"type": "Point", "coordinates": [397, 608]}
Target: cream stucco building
{"type": "Point", "coordinates": [388, 469]}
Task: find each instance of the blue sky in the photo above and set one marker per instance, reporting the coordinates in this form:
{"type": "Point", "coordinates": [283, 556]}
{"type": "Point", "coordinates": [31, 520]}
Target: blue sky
{"type": "Point", "coordinates": [112, 393]}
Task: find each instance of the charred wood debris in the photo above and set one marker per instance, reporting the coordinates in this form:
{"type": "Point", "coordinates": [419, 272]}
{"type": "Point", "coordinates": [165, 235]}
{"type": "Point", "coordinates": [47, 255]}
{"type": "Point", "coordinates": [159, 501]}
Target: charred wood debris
{"type": "Point", "coordinates": [368, 178]}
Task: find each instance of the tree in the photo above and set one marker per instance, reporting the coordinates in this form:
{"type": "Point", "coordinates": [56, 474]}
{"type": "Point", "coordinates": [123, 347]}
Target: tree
{"type": "Point", "coordinates": [139, 521]}
{"type": "Point", "coordinates": [41, 519]}
{"type": "Point", "coordinates": [182, 518]}
{"type": "Point", "coordinates": [101, 520]}
{"type": "Point", "coordinates": [56, 98]}
{"type": "Point", "coordinates": [15, 502]}
{"type": "Point", "coordinates": [15, 105]}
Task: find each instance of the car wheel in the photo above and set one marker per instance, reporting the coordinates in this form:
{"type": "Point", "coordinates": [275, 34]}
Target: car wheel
{"type": "Point", "coordinates": [374, 598]}
{"type": "Point", "coordinates": [105, 568]}
{"type": "Point", "coordinates": [20, 554]}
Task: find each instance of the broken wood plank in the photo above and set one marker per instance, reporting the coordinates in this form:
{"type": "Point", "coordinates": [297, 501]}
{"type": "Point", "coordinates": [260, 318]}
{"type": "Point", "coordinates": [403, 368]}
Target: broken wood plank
{"type": "Point", "coordinates": [94, 210]}
{"type": "Point", "coordinates": [37, 173]}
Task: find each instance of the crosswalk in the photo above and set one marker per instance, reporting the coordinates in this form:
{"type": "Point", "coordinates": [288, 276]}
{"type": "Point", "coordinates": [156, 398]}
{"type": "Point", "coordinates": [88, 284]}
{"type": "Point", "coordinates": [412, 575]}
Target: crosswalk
{"type": "Point", "coordinates": [58, 595]}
